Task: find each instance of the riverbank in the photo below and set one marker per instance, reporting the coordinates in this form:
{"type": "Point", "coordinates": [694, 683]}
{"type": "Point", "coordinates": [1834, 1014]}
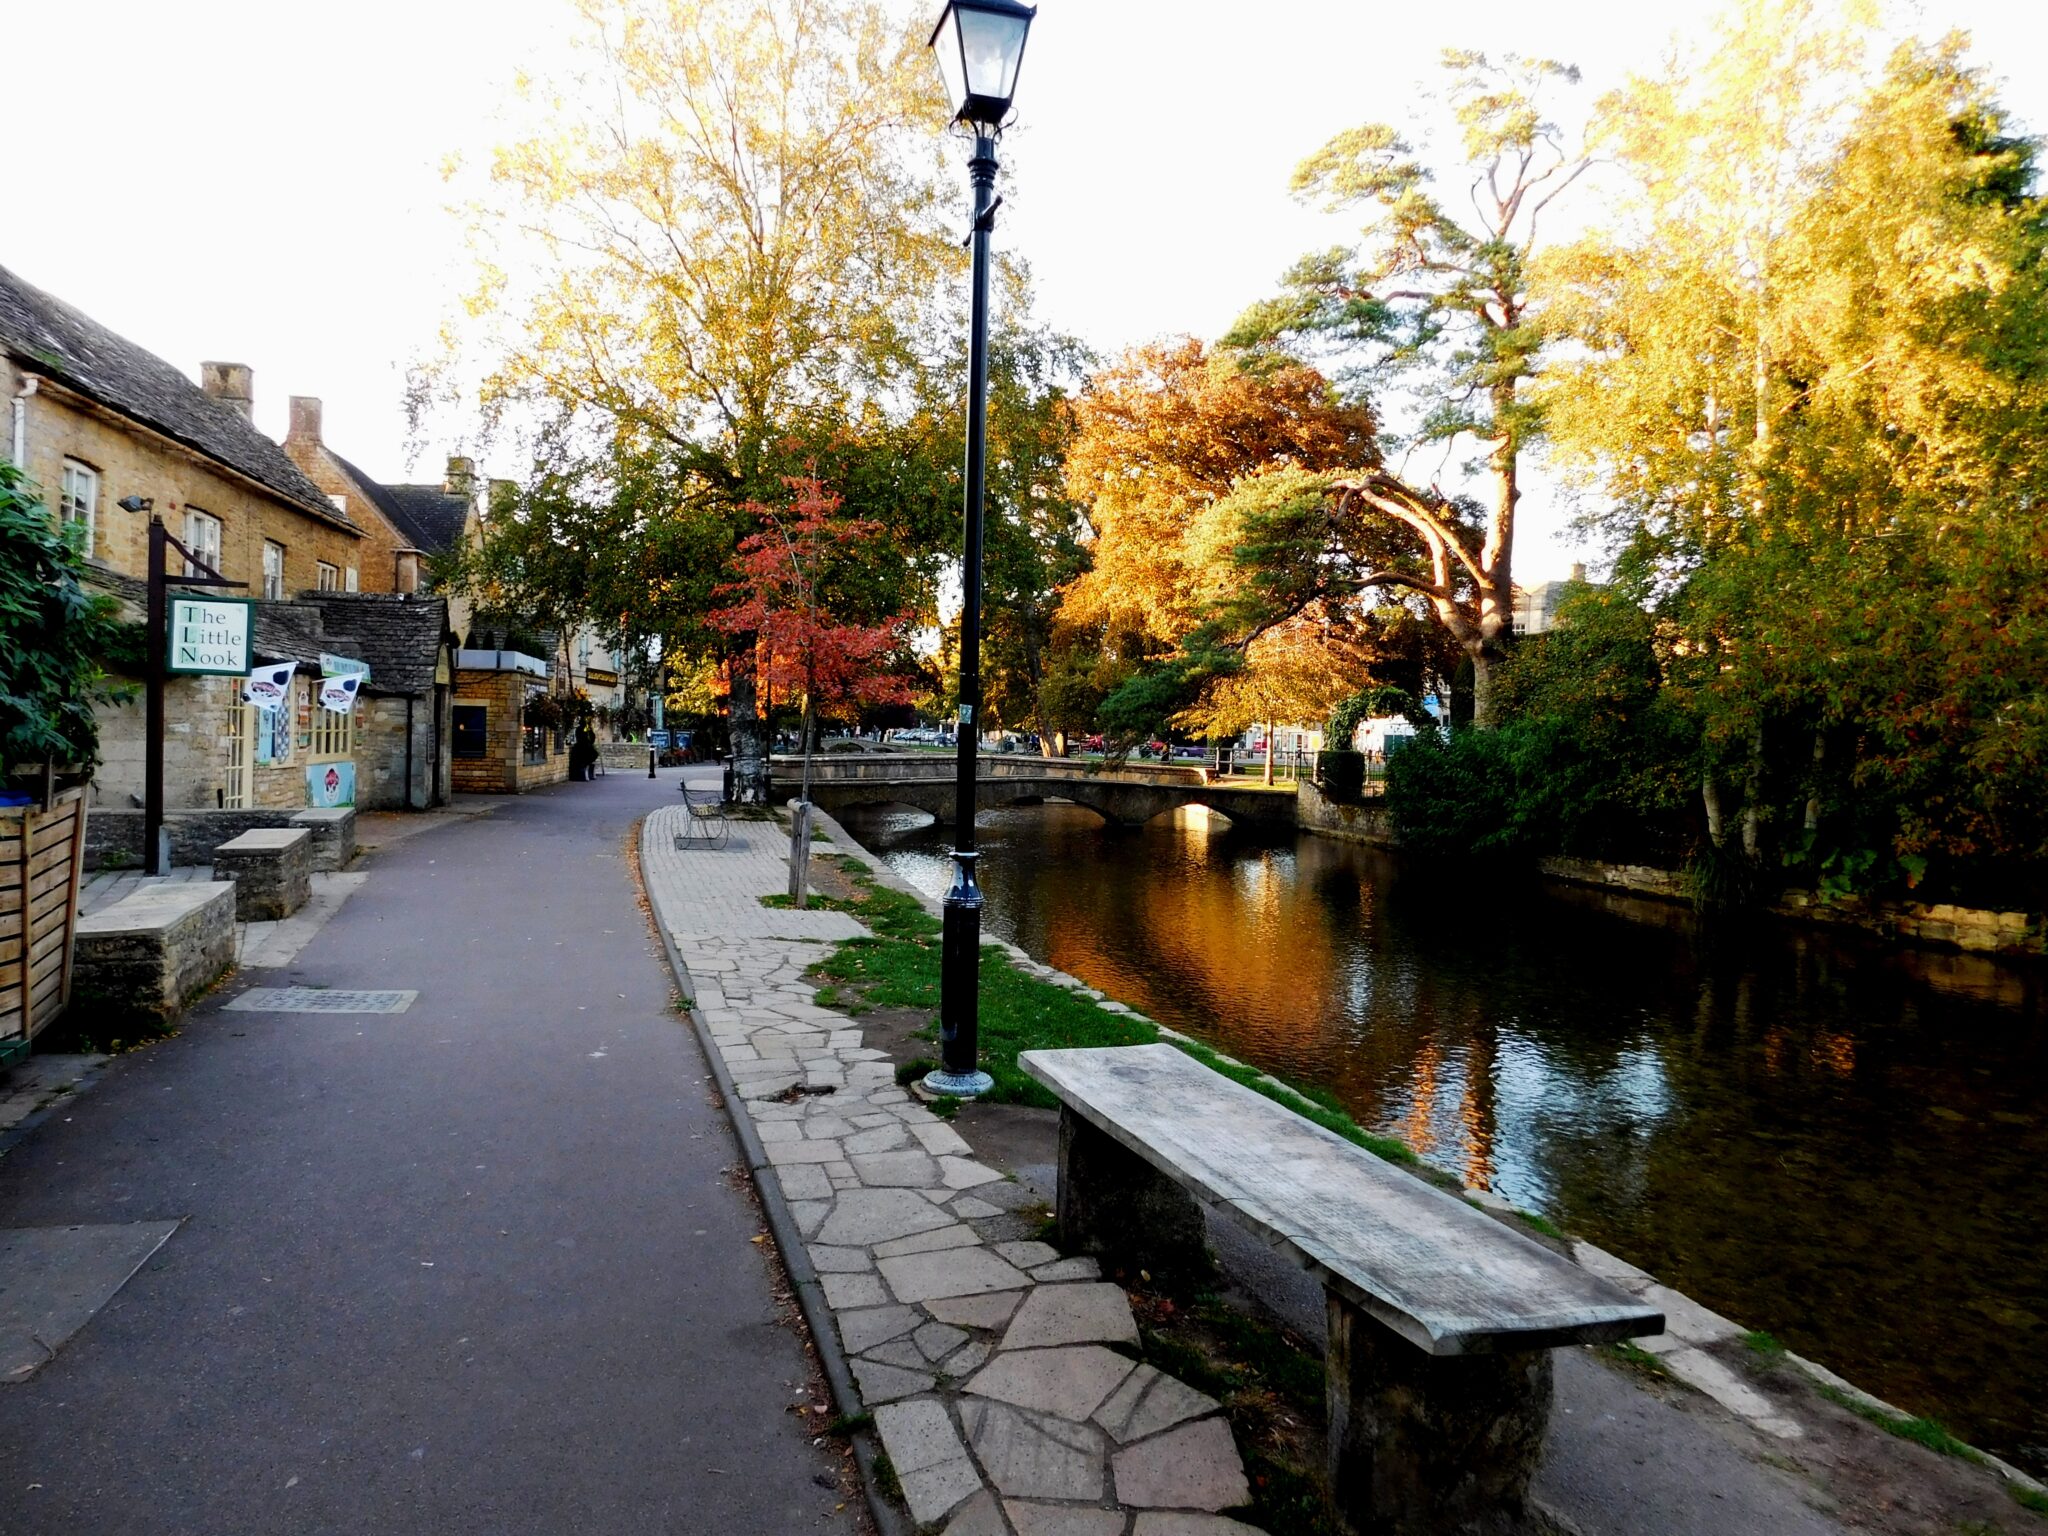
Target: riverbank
{"type": "Point", "coordinates": [1973, 930]}
{"type": "Point", "coordinates": [1774, 1386]}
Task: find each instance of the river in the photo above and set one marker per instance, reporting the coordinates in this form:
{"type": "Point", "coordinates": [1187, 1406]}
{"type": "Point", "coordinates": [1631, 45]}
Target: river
{"type": "Point", "coordinates": [1834, 1142]}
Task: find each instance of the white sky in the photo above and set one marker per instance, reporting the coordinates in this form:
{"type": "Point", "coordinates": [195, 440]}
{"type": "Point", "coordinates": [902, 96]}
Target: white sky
{"type": "Point", "coordinates": [258, 181]}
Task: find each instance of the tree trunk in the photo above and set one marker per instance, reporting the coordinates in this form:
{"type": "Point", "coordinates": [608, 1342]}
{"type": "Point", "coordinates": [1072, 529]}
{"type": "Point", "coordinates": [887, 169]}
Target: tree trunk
{"type": "Point", "coordinates": [1820, 743]}
{"type": "Point", "coordinates": [1752, 798]}
{"type": "Point", "coordinates": [749, 732]}
{"type": "Point", "coordinates": [1269, 752]}
{"type": "Point", "coordinates": [1710, 797]}
{"type": "Point", "coordinates": [1482, 689]}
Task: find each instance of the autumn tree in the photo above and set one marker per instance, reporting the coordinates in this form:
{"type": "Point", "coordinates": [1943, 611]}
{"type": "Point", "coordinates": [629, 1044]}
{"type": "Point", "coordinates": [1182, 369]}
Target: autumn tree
{"type": "Point", "coordinates": [1438, 301]}
{"type": "Point", "coordinates": [792, 594]}
{"type": "Point", "coordinates": [724, 234]}
{"type": "Point", "coordinates": [1811, 404]}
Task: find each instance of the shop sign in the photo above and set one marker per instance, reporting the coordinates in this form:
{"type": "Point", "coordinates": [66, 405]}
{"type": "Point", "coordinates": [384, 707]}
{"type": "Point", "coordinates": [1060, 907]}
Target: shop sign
{"type": "Point", "coordinates": [209, 636]}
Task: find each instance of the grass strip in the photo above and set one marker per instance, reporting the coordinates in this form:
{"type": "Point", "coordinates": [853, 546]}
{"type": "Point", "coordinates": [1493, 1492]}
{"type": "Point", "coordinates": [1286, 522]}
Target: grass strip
{"type": "Point", "coordinates": [1920, 1431]}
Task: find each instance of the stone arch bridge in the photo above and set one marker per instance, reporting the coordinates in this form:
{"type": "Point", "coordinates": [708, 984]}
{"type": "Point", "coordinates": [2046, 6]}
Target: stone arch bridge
{"type": "Point", "coordinates": [1128, 796]}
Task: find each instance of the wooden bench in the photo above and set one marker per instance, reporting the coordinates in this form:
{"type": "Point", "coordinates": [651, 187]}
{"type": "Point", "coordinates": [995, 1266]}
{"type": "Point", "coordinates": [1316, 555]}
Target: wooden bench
{"type": "Point", "coordinates": [708, 824]}
{"type": "Point", "coordinates": [272, 868]}
{"type": "Point", "coordinates": [1441, 1319]}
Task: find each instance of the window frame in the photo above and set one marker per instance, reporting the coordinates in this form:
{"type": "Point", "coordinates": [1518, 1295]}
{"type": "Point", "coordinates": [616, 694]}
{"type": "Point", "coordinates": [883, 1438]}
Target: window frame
{"type": "Point", "coordinates": [458, 737]}
{"type": "Point", "coordinates": [197, 518]}
{"type": "Point", "coordinates": [333, 734]}
{"type": "Point", "coordinates": [328, 575]}
{"type": "Point", "coordinates": [67, 501]}
{"type": "Point", "coordinates": [273, 582]}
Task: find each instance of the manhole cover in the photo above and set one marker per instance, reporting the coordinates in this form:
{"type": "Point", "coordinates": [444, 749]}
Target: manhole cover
{"type": "Point", "coordinates": [321, 1000]}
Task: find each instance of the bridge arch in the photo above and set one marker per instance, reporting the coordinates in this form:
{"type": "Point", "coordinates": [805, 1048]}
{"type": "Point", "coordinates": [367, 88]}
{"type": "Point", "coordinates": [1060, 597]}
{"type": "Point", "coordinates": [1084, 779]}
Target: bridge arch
{"type": "Point", "coordinates": [1221, 812]}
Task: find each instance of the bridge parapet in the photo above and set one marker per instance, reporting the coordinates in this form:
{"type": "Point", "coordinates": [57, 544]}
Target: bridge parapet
{"type": "Point", "coordinates": [904, 768]}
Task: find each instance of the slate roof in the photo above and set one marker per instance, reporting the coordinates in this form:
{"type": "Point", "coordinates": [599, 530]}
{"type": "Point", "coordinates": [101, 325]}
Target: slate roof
{"type": "Point", "coordinates": [47, 336]}
{"type": "Point", "coordinates": [294, 632]}
{"type": "Point", "coordinates": [430, 518]}
{"type": "Point", "coordinates": [399, 636]}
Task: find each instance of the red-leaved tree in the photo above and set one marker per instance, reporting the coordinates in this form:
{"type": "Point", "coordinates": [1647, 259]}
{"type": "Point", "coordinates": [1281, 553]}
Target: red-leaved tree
{"type": "Point", "coordinates": [778, 593]}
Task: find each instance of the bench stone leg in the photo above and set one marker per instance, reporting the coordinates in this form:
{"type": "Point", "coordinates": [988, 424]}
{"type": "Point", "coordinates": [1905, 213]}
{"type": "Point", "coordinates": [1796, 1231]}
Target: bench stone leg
{"type": "Point", "coordinates": [1430, 1445]}
{"type": "Point", "coordinates": [1114, 1204]}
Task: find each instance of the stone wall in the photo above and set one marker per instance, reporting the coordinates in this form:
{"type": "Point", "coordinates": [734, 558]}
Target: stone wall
{"type": "Point", "coordinates": [1365, 822]}
{"type": "Point", "coordinates": [200, 717]}
{"type": "Point", "coordinates": [1971, 929]}
{"type": "Point", "coordinates": [503, 768]}
{"type": "Point", "coordinates": [381, 752]}
{"type": "Point", "coordinates": [132, 460]}
{"type": "Point", "coordinates": [1966, 928]}
{"type": "Point", "coordinates": [113, 838]}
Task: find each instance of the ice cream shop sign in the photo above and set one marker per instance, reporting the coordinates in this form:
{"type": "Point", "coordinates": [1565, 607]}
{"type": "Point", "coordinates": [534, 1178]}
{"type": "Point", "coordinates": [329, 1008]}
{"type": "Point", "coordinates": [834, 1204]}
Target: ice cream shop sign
{"type": "Point", "coordinates": [210, 636]}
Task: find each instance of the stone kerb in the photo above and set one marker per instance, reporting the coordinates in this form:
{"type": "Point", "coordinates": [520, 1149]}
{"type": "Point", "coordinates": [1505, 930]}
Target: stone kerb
{"type": "Point", "coordinates": [146, 956]}
{"type": "Point", "coordinates": [993, 1365]}
{"type": "Point", "coordinates": [272, 871]}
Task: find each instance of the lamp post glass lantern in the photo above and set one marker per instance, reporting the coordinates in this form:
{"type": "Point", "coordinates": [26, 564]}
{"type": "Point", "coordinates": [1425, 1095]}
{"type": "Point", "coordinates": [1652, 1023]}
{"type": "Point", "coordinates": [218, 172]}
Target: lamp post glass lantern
{"type": "Point", "coordinates": [979, 45]}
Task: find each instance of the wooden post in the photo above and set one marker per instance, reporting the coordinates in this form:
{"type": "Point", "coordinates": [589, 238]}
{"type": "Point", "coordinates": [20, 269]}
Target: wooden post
{"type": "Point", "coordinates": [155, 857]}
{"type": "Point", "coordinates": [799, 853]}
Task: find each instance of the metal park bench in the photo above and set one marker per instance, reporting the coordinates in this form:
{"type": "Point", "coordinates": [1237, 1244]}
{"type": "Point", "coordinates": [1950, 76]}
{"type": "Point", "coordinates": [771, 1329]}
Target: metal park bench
{"type": "Point", "coordinates": [1438, 1372]}
{"type": "Point", "coordinates": [708, 824]}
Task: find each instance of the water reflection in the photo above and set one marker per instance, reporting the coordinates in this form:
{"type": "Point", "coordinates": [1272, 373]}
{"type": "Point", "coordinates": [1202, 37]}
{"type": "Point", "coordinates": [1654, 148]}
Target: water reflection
{"type": "Point", "coordinates": [1817, 1137]}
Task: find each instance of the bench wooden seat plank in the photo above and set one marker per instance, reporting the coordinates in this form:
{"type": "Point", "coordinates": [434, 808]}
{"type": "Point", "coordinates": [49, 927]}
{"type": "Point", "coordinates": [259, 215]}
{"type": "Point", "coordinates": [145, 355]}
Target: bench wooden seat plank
{"type": "Point", "coordinates": [1442, 1275]}
{"type": "Point", "coordinates": [1437, 1368]}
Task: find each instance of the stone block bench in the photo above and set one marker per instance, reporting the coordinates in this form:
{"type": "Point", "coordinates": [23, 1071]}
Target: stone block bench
{"type": "Point", "coordinates": [1441, 1318]}
{"type": "Point", "coordinates": [272, 869]}
{"type": "Point", "coordinates": [146, 956]}
{"type": "Point", "coordinates": [334, 835]}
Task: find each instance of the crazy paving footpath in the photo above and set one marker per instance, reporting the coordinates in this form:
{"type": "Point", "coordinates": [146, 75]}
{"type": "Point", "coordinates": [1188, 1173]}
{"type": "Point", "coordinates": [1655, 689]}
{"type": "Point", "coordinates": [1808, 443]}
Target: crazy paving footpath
{"type": "Point", "coordinates": [989, 1362]}
{"type": "Point", "coordinates": [486, 1263]}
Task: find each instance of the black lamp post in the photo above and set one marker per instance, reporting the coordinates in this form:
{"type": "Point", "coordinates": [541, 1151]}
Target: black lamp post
{"type": "Point", "coordinates": [979, 44]}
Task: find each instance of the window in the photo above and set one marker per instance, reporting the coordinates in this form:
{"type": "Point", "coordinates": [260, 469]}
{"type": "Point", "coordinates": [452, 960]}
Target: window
{"type": "Point", "coordinates": [242, 728]}
{"type": "Point", "coordinates": [470, 738]}
{"type": "Point", "coordinates": [79, 500]}
{"type": "Point", "coordinates": [350, 584]}
{"type": "Point", "coordinates": [334, 733]}
{"type": "Point", "coordinates": [202, 537]}
{"type": "Point", "coordinates": [330, 576]}
{"type": "Point", "coordinates": [273, 570]}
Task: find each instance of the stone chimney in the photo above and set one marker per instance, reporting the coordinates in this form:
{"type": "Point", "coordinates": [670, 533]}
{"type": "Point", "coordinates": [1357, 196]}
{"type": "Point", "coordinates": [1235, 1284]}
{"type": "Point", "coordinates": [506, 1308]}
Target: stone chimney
{"type": "Point", "coordinates": [1579, 571]}
{"type": "Point", "coordinates": [232, 384]}
{"type": "Point", "coordinates": [501, 497]}
{"type": "Point", "coordinates": [461, 477]}
{"type": "Point", "coordinates": [305, 427]}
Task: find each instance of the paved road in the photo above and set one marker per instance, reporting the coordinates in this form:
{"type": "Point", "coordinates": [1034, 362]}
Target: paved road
{"type": "Point", "coordinates": [477, 1267]}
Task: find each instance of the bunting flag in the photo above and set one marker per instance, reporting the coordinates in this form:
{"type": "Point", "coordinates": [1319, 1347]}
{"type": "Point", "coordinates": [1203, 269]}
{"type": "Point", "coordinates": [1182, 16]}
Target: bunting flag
{"type": "Point", "coordinates": [339, 693]}
{"type": "Point", "coordinates": [269, 687]}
